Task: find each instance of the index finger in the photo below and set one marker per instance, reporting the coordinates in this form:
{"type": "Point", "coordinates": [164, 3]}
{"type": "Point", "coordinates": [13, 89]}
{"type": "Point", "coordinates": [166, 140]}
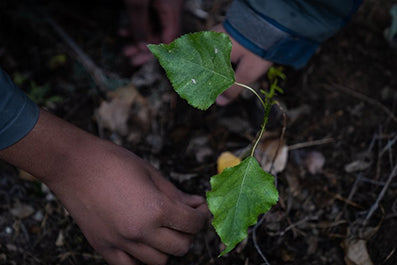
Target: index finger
{"type": "Point", "coordinates": [186, 219]}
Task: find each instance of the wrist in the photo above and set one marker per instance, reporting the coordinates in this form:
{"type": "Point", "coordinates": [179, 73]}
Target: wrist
{"type": "Point", "coordinates": [51, 149]}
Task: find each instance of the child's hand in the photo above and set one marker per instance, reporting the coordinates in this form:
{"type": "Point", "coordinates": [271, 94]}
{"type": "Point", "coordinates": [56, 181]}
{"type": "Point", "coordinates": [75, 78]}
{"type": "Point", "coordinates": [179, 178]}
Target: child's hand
{"type": "Point", "coordinates": [125, 208]}
{"type": "Point", "coordinates": [249, 68]}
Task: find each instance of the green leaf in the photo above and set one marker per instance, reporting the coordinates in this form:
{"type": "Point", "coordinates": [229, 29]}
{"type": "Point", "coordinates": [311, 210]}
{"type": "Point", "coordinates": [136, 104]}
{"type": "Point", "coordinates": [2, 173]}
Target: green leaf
{"type": "Point", "coordinates": [238, 195]}
{"type": "Point", "coordinates": [19, 79]}
{"type": "Point", "coordinates": [198, 66]}
{"type": "Point", "coordinates": [276, 72]}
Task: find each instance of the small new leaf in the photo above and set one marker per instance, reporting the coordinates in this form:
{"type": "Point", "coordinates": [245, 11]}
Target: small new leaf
{"type": "Point", "coordinates": [198, 66]}
{"type": "Point", "coordinates": [276, 72]}
{"type": "Point", "coordinates": [238, 195]}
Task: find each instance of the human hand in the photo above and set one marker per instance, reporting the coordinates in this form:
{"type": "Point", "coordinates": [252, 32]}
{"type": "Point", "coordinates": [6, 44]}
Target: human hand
{"type": "Point", "coordinates": [249, 67]}
{"type": "Point", "coordinates": [128, 211]}
{"type": "Point", "coordinates": [125, 208]}
{"type": "Point", "coordinates": [161, 25]}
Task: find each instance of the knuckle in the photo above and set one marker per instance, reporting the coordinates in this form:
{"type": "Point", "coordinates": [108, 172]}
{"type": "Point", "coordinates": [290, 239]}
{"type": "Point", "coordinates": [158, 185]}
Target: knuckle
{"type": "Point", "coordinates": [133, 232]}
{"type": "Point", "coordinates": [137, 234]}
{"type": "Point", "coordinates": [159, 209]}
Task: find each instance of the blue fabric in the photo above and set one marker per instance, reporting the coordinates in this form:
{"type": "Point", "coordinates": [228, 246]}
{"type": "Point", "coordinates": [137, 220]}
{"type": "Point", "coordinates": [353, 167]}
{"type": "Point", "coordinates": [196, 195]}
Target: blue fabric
{"type": "Point", "coordinates": [355, 6]}
{"type": "Point", "coordinates": [295, 52]}
{"type": "Point", "coordinates": [287, 32]}
{"type": "Point", "coordinates": [18, 114]}
{"type": "Point", "coordinates": [314, 19]}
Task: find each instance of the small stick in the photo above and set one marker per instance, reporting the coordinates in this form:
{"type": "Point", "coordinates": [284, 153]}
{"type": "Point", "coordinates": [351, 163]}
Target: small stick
{"type": "Point", "coordinates": [365, 98]}
{"type": "Point", "coordinates": [258, 249]}
{"type": "Point", "coordinates": [380, 154]}
{"type": "Point", "coordinates": [381, 194]}
{"type": "Point", "coordinates": [293, 225]}
{"type": "Point", "coordinates": [281, 139]}
{"type": "Point", "coordinates": [310, 143]}
{"type": "Point", "coordinates": [95, 72]}
{"type": "Point", "coordinates": [388, 146]}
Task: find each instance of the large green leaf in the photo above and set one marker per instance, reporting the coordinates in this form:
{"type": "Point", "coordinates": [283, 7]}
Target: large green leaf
{"type": "Point", "coordinates": [198, 66]}
{"type": "Point", "coordinates": [238, 195]}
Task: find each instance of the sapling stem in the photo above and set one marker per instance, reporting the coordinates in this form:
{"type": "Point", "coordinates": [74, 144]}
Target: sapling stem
{"type": "Point", "coordinates": [266, 106]}
{"type": "Point", "coordinates": [253, 91]}
{"type": "Point", "coordinates": [231, 219]}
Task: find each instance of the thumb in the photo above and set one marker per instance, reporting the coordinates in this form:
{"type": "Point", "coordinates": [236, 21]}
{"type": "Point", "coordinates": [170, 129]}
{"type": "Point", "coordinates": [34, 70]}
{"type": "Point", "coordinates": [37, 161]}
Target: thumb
{"type": "Point", "coordinates": [250, 68]}
{"type": "Point", "coordinates": [193, 201]}
{"type": "Point", "coordinates": [174, 193]}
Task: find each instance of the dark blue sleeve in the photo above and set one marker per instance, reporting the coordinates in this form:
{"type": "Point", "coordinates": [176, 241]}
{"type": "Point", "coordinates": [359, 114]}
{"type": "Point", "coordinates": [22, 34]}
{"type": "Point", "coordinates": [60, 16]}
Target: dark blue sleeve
{"type": "Point", "coordinates": [18, 114]}
{"type": "Point", "coordinates": [287, 32]}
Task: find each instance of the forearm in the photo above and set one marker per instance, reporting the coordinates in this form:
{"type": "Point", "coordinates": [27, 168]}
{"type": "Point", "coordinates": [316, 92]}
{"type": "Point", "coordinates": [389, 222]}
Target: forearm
{"type": "Point", "coordinates": [50, 148]}
{"type": "Point", "coordinates": [121, 204]}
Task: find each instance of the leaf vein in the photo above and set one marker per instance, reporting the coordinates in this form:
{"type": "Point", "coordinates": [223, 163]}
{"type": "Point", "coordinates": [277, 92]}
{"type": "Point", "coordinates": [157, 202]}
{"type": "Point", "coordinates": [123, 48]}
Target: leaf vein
{"type": "Point", "coordinates": [205, 68]}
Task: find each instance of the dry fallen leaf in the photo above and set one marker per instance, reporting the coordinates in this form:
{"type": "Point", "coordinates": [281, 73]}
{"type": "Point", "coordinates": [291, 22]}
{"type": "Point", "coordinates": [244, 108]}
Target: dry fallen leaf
{"type": "Point", "coordinates": [314, 162]}
{"type": "Point", "coordinates": [293, 184]}
{"type": "Point", "coordinates": [296, 113]}
{"type": "Point", "coordinates": [199, 147]}
{"type": "Point", "coordinates": [357, 165]}
{"type": "Point", "coordinates": [182, 177]}
{"type": "Point", "coordinates": [21, 210]}
{"type": "Point", "coordinates": [287, 256]}
{"type": "Point", "coordinates": [60, 239]}
{"type": "Point", "coordinates": [269, 150]}
{"type": "Point", "coordinates": [227, 159]}
{"type": "Point", "coordinates": [356, 252]}
{"type": "Point", "coordinates": [114, 114]}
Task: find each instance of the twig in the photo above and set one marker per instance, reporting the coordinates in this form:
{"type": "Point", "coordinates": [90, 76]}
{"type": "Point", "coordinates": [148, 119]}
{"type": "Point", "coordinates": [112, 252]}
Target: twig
{"type": "Point", "coordinates": [346, 201]}
{"type": "Point", "coordinates": [371, 181]}
{"type": "Point", "coordinates": [381, 194]}
{"type": "Point", "coordinates": [359, 177]}
{"type": "Point", "coordinates": [310, 143]}
{"type": "Point", "coordinates": [390, 254]}
{"type": "Point", "coordinates": [354, 188]}
{"type": "Point", "coordinates": [95, 72]}
{"type": "Point", "coordinates": [365, 98]}
{"type": "Point", "coordinates": [258, 249]}
{"type": "Point", "coordinates": [380, 154]}
{"type": "Point", "coordinates": [349, 199]}
{"type": "Point", "coordinates": [293, 225]}
{"type": "Point", "coordinates": [388, 146]}
{"type": "Point", "coordinates": [390, 157]}
{"type": "Point", "coordinates": [281, 139]}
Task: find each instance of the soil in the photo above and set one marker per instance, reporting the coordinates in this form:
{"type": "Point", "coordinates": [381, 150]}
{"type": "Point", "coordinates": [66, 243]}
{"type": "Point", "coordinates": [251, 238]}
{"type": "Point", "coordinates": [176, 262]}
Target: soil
{"type": "Point", "coordinates": [339, 107]}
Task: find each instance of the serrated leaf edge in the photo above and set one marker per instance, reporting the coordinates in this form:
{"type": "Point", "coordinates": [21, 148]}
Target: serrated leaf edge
{"type": "Point", "coordinates": [254, 221]}
{"type": "Point", "coordinates": [161, 61]}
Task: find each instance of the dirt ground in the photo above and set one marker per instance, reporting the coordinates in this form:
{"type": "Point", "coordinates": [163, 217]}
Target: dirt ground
{"type": "Point", "coordinates": [341, 135]}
